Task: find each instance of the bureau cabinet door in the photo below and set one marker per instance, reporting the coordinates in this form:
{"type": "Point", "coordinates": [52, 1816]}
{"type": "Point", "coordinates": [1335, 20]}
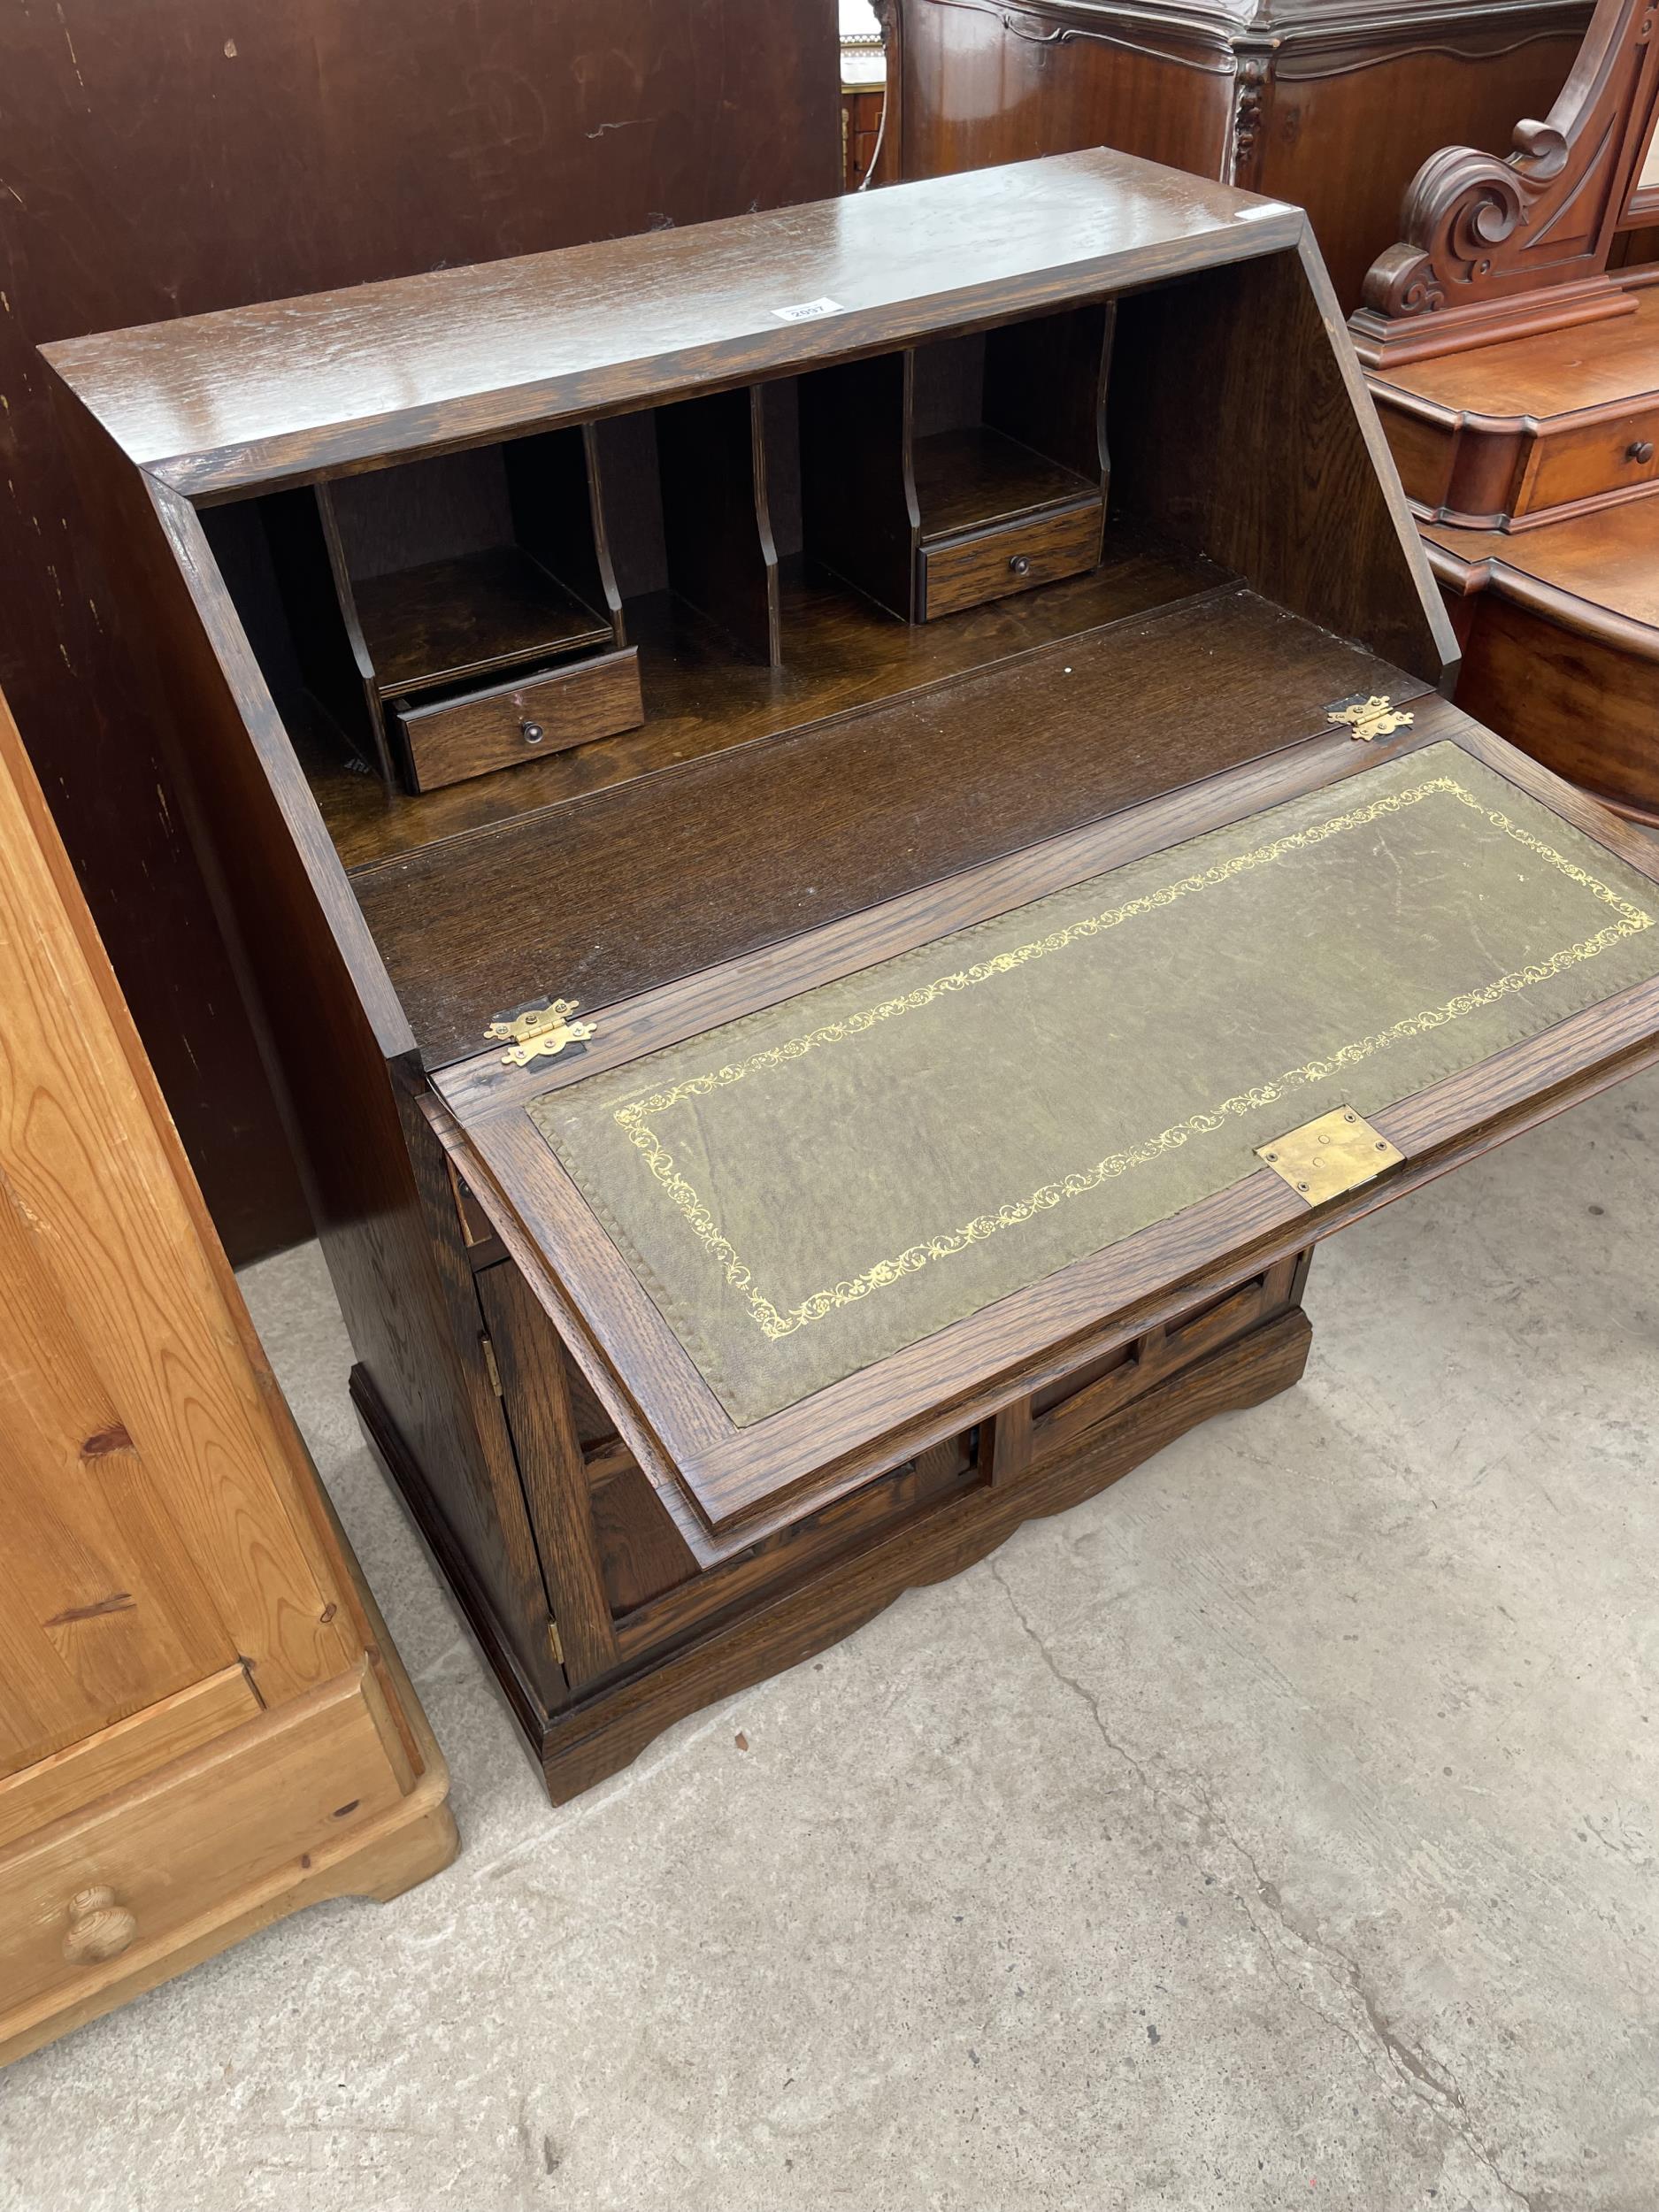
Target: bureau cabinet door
{"type": "Point", "coordinates": [153, 1531]}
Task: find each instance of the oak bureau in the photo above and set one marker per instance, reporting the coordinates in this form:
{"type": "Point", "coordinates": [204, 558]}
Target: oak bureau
{"type": "Point", "coordinates": [845, 836]}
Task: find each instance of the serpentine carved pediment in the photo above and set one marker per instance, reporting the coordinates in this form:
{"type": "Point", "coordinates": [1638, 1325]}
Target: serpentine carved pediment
{"type": "Point", "coordinates": [1480, 228]}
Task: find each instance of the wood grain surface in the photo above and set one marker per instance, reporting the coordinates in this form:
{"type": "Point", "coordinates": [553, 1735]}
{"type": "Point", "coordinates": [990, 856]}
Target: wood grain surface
{"type": "Point", "coordinates": [254, 395]}
{"type": "Point", "coordinates": [580, 1748]}
{"type": "Point", "coordinates": [81, 1773]}
{"type": "Point", "coordinates": [1013, 556]}
{"type": "Point", "coordinates": [151, 1540]}
{"type": "Point", "coordinates": [817, 783]}
{"type": "Point", "coordinates": [515, 723]}
{"type": "Point", "coordinates": [787, 834]}
{"type": "Point", "coordinates": [1561, 642]}
{"type": "Point", "coordinates": [197, 1698]}
{"type": "Point", "coordinates": [840, 653]}
{"type": "Point", "coordinates": [1331, 104]}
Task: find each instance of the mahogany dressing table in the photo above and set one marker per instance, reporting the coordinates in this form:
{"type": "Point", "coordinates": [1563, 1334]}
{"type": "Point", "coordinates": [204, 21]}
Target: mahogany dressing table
{"type": "Point", "coordinates": [1512, 338]}
{"type": "Point", "coordinates": [845, 834]}
{"type": "Point", "coordinates": [1330, 103]}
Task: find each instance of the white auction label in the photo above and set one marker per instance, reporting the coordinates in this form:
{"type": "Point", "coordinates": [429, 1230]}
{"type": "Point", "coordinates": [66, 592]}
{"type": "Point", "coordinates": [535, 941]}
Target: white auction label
{"type": "Point", "coordinates": [809, 311]}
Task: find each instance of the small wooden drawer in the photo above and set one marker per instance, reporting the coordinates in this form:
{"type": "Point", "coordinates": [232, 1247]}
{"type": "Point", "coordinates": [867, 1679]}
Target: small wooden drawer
{"type": "Point", "coordinates": [965, 572]}
{"type": "Point", "coordinates": [1592, 459]}
{"type": "Point", "coordinates": [122, 1880]}
{"type": "Point", "coordinates": [543, 714]}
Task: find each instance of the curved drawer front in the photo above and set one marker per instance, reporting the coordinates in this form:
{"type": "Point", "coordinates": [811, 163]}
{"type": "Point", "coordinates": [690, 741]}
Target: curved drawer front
{"type": "Point", "coordinates": [1592, 459]}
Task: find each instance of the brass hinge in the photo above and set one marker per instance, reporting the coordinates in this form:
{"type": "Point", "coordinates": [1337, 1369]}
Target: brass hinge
{"type": "Point", "coordinates": [555, 1642]}
{"type": "Point", "coordinates": [540, 1029]}
{"type": "Point", "coordinates": [1366, 718]}
{"type": "Point", "coordinates": [1325, 1158]}
{"type": "Point", "coordinates": [494, 1372]}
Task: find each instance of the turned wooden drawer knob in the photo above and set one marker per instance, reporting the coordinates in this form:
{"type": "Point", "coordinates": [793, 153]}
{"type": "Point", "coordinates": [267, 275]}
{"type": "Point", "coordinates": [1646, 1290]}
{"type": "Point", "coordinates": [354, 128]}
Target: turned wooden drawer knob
{"type": "Point", "coordinates": [1020, 562]}
{"type": "Point", "coordinates": [532, 733]}
{"type": "Point", "coordinates": [1640, 452]}
{"type": "Point", "coordinates": [98, 1927]}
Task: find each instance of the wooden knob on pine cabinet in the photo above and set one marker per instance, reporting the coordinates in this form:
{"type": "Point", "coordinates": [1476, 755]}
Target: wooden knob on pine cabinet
{"type": "Point", "coordinates": [98, 1928]}
{"type": "Point", "coordinates": [1641, 452]}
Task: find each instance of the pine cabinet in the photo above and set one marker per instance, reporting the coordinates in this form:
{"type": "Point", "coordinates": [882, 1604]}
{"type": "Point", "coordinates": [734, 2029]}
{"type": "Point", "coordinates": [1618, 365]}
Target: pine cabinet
{"type": "Point", "coordinates": [202, 1724]}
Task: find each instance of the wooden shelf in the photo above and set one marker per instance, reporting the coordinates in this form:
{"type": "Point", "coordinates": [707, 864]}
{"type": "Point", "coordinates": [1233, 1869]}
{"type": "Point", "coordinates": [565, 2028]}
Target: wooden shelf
{"type": "Point", "coordinates": [840, 652]}
{"type": "Point", "coordinates": [971, 479]}
{"type": "Point", "coordinates": [449, 619]}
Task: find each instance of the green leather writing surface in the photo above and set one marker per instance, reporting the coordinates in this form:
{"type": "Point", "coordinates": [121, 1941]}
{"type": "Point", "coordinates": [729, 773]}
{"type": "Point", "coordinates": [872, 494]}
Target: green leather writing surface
{"type": "Point", "coordinates": [807, 1190]}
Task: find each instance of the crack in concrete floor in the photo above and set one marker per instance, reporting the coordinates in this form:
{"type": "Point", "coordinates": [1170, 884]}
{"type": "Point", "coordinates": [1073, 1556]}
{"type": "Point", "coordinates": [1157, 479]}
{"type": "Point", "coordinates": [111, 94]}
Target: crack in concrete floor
{"type": "Point", "coordinates": [1422, 2077]}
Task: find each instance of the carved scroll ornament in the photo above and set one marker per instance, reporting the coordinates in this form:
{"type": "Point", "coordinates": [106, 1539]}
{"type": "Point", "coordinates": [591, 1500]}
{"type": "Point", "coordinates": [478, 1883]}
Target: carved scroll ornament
{"type": "Point", "coordinates": [1478, 229]}
{"type": "Point", "coordinates": [1459, 209]}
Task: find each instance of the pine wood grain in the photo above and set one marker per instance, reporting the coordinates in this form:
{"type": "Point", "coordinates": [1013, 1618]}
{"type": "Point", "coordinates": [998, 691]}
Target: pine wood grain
{"type": "Point", "coordinates": [129, 1378]}
{"type": "Point", "coordinates": [190, 1835]}
{"type": "Point", "coordinates": [82, 1773]}
{"type": "Point", "coordinates": [198, 1708]}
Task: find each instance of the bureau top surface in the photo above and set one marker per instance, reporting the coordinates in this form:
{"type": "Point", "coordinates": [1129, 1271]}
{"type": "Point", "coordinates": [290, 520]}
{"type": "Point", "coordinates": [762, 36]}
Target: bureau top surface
{"type": "Point", "coordinates": [217, 403]}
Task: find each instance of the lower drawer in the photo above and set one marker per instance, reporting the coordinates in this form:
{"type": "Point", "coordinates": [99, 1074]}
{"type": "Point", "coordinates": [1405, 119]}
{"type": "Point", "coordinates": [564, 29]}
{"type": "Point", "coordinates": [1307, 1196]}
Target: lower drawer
{"type": "Point", "coordinates": [548, 713]}
{"type": "Point", "coordinates": [965, 572]}
{"type": "Point", "coordinates": [126, 1878]}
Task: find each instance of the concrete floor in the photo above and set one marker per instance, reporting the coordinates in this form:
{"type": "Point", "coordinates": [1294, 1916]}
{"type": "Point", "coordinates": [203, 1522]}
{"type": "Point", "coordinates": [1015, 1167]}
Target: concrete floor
{"type": "Point", "coordinates": [1278, 1828]}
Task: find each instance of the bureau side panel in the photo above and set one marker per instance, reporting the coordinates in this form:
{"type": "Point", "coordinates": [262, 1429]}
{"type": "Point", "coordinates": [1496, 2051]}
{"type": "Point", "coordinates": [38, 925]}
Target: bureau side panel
{"type": "Point", "coordinates": [1238, 421]}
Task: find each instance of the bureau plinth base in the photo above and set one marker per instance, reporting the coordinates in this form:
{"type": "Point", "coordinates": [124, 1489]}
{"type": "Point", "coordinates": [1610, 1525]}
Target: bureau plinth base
{"type": "Point", "coordinates": [608, 1726]}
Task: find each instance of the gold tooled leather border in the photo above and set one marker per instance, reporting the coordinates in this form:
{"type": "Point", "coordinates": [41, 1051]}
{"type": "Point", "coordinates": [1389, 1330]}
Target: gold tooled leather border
{"type": "Point", "coordinates": [776, 1323]}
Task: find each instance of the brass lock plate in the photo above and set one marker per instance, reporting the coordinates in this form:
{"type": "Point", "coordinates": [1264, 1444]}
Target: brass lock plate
{"type": "Point", "coordinates": [1325, 1158]}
